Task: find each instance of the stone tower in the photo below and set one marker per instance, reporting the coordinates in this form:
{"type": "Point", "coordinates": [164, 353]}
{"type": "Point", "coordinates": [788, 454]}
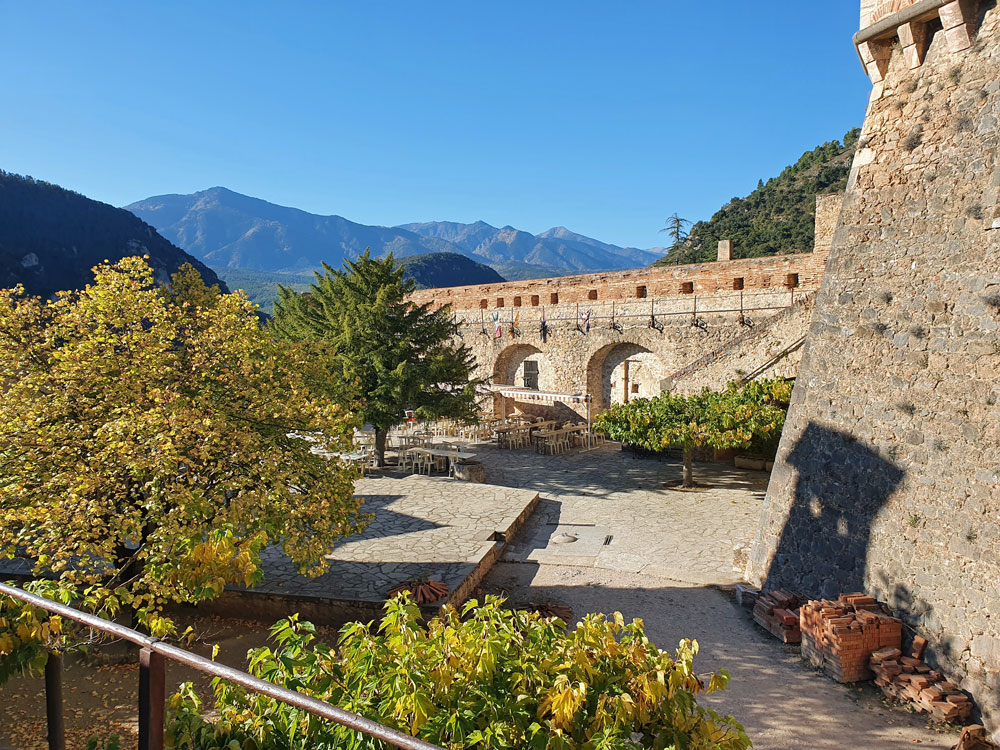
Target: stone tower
{"type": "Point", "coordinates": [887, 475]}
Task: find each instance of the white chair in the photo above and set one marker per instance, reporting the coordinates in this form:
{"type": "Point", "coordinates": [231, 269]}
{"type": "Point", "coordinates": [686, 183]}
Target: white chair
{"type": "Point", "coordinates": [405, 462]}
{"type": "Point", "coordinates": [425, 463]}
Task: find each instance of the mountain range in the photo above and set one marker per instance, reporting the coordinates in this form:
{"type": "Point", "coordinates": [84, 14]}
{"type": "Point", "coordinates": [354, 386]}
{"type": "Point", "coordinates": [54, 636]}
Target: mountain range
{"type": "Point", "coordinates": [51, 237]}
{"type": "Point", "coordinates": [228, 230]}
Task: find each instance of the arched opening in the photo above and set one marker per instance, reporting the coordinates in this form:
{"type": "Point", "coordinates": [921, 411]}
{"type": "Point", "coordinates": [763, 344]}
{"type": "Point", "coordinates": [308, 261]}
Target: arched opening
{"type": "Point", "coordinates": [622, 372]}
{"type": "Point", "coordinates": [525, 366]}
{"type": "Point", "coordinates": [510, 363]}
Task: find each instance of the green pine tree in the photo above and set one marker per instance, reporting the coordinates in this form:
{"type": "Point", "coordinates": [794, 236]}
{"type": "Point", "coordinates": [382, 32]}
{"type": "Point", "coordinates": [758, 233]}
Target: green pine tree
{"type": "Point", "coordinates": [380, 348]}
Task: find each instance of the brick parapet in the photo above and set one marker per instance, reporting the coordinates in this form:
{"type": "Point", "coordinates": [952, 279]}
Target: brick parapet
{"type": "Point", "coordinates": [768, 274]}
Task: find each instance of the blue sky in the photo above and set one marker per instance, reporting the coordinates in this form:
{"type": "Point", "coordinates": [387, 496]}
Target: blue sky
{"type": "Point", "coordinates": [602, 117]}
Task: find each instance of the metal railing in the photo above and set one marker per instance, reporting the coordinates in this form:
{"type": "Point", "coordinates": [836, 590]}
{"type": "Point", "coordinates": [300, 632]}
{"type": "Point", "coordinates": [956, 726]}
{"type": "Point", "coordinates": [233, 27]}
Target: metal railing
{"type": "Point", "coordinates": [152, 684]}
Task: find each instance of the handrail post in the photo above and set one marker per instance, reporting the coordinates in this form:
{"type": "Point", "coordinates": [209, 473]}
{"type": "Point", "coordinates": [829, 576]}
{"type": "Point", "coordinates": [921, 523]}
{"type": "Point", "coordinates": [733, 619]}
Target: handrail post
{"type": "Point", "coordinates": [152, 694]}
{"type": "Point", "coordinates": [152, 682]}
{"type": "Point", "coordinates": [54, 701]}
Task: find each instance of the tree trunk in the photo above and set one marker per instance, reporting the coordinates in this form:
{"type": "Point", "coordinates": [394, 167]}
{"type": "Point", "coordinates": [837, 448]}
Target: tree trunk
{"type": "Point", "coordinates": [380, 436]}
{"type": "Point", "coordinates": [688, 467]}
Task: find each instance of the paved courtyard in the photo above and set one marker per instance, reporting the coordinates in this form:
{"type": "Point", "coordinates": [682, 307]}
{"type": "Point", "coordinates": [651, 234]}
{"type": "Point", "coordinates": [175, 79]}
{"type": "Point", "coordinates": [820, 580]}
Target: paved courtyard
{"type": "Point", "coordinates": [623, 516]}
{"type": "Point", "coordinates": [670, 562]}
{"type": "Point", "coordinates": [605, 535]}
{"type": "Point", "coordinates": [420, 527]}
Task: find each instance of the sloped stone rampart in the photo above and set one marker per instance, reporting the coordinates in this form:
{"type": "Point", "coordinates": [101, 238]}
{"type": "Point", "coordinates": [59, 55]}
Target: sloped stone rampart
{"type": "Point", "coordinates": [887, 475]}
{"type": "Point", "coordinates": [774, 345]}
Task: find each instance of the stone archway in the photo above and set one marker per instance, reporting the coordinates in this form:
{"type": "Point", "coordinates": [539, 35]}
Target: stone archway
{"type": "Point", "coordinates": [622, 371]}
{"type": "Point", "coordinates": [510, 361]}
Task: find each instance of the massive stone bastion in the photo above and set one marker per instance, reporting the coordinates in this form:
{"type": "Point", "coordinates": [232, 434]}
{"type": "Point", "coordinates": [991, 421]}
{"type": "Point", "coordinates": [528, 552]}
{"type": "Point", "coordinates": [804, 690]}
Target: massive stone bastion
{"type": "Point", "coordinates": [887, 474]}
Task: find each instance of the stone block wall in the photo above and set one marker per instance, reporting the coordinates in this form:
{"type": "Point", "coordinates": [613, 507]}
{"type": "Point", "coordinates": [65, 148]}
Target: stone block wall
{"type": "Point", "coordinates": [827, 213]}
{"type": "Point", "coordinates": [775, 345]}
{"type": "Point", "coordinates": [867, 11]}
{"type": "Point", "coordinates": [887, 475]}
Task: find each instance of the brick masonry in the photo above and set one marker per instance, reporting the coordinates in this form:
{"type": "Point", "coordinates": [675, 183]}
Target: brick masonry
{"type": "Point", "coordinates": [887, 474]}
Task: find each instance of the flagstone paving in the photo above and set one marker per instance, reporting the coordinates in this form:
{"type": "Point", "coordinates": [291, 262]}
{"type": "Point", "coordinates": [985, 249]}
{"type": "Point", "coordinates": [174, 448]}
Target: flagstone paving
{"type": "Point", "coordinates": [654, 530]}
{"type": "Point", "coordinates": [420, 527]}
{"type": "Point", "coordinates": [669, 562]}
{"type": "Point", "coordinates": [600, 508]}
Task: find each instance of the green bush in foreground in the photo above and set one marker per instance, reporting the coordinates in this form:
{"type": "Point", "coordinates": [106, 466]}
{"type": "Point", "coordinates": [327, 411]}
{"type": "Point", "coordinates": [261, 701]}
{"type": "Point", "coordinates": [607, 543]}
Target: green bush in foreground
{"type": "Point", "coordinates": [487, 677]}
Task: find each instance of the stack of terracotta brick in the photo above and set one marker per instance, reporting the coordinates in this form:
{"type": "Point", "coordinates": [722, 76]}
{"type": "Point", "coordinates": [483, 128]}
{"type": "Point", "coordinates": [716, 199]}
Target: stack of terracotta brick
{"type": "Point", "coordinates": [777, 611]}
{"type": "Point", "coordinates": [909, 679]}
{"type": "Point", "coordinates": [840, 636]}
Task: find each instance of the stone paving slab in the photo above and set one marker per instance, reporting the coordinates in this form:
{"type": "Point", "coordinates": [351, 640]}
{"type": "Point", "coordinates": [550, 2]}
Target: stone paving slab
{"type": "Point", "coordinates": [422, 527]}
{"type": "Point", "coordinates": [684, 536]}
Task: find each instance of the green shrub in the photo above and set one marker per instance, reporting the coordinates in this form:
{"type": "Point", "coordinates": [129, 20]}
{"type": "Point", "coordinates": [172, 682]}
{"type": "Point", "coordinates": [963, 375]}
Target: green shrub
{"type": "Point", "coordinates": [487, 677]}
{"type": "Point", "coordinates": [749, 415]}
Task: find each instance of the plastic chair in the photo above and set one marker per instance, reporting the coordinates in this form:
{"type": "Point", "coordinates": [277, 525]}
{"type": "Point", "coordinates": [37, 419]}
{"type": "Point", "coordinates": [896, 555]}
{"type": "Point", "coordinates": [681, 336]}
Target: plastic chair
{"type": "Point", "coordinates": [423, 463]}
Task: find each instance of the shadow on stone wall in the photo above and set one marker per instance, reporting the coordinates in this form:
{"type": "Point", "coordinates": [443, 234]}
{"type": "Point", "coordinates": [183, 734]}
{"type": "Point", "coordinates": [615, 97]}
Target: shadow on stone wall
{"type": "Point", "coordinates": [841, 487]}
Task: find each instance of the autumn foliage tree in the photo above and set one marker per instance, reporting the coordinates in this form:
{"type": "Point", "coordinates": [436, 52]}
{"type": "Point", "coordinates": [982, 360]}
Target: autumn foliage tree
{"type": "Point", "coordinates": [734, 418]}
{"type": "Point", "coordinates": [392, 353]}
{"type": "Point", "coordinates": [154, 440]}
{"type": "Point", "coordinates": [487, 678]}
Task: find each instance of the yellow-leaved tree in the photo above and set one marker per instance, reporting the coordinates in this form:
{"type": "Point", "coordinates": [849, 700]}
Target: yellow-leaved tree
{"type": "Point", "coordinates": [153, 440]}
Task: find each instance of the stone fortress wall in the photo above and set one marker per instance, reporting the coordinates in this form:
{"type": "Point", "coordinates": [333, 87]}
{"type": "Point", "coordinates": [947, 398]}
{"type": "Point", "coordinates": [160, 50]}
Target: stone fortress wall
{"type": "Point", "coordinates": [674, 286]}
{"type": "Point", "coordinates": [887, 475]}
{"type": "Point", "coordinates": [622, 334]}
{"type": "Point", "coordinates": [772, 349]}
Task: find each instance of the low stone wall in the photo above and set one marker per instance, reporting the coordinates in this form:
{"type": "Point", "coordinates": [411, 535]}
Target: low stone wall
{"type": "Point", "coordinates": [269, 607]}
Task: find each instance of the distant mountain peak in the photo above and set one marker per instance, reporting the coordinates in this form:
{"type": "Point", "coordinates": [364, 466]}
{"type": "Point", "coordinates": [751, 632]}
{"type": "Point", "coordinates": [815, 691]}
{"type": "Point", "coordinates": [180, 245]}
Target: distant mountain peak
{"type": "Point", "coordinates": [229, 230]}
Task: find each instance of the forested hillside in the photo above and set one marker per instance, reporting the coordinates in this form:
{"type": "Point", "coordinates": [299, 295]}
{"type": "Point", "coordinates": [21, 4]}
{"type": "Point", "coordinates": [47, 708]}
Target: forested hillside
{"type": "Point", "coordinates": [262, 286]}
{"type": "Point", "coordinates": [447, 269]}
{"type": "Point", "coordinates": [778, 217]}
{"type": "Point", "coordinates": [51, 237]}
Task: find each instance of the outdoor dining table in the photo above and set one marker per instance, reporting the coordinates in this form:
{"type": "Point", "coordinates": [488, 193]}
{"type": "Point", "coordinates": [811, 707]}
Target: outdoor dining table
{"type": "Point", "coordinates": [406, 440]}
{"type": "Point", "coordinates": [526, 426]}
{"type": "Point", "coordinates": [512, 428]}
{"type": "Point", "coordinates": [355, 457]}
{"type": "Point", "coordinates": [542, 425]}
